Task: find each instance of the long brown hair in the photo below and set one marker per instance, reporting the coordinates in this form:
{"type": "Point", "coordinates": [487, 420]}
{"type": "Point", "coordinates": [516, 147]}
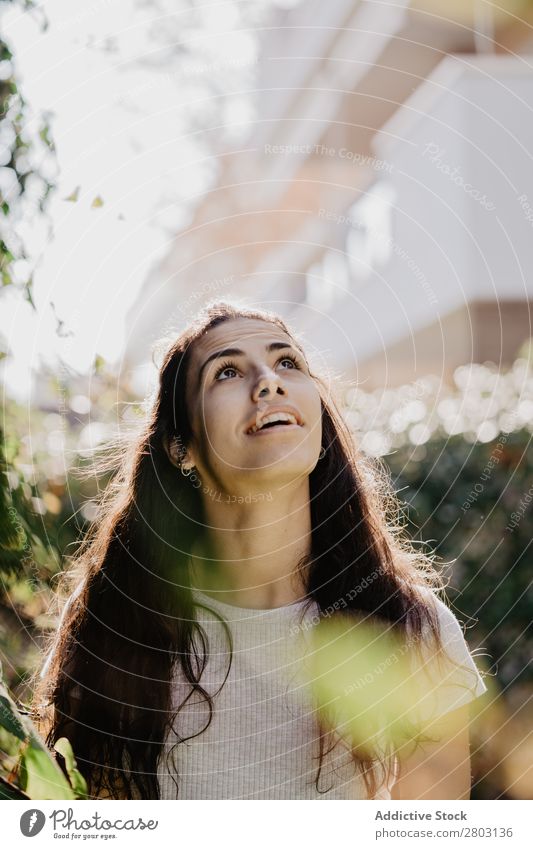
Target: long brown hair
{"type": "Point", "coordinates": [131, 623]}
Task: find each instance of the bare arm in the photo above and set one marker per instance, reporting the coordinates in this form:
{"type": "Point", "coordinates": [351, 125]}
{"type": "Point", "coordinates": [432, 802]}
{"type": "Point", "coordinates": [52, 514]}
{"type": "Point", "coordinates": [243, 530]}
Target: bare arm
{"type": "Point", "coordinates": [439, 770]}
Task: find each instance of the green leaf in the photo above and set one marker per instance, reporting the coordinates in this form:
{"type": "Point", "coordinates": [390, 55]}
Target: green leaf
{"type": "Point", "coordinates": [74, 195]}
{"type": "Point", "coordinates": [41, 778]}
{"type": "Point", "coordinates": [77, 780]}
{"type": "Point", "coordinates": [6, 255]}
{"type": "Point", "coordinates": [9, 791]}
{"type": "Point", "coordinates": [99, 364]}
{"type": "Point", "coordinates": [28, 293]}
{"type": "Point", "coordinates": [38, 775]}
{"type": "Point", "coordinates": [9, 718]}
{"type": "Point", "coordinates": [44, 135]}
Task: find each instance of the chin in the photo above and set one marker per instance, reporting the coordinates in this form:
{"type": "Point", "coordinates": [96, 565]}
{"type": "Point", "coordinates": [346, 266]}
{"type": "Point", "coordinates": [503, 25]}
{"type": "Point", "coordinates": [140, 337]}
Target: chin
{"type": "Point", "coordinates": [285, 468]}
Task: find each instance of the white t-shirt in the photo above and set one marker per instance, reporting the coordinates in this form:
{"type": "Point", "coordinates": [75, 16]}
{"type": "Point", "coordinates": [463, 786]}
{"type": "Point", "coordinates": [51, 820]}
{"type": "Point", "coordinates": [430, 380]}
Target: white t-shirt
{"type": "Point", "coordinates": [262, 742]}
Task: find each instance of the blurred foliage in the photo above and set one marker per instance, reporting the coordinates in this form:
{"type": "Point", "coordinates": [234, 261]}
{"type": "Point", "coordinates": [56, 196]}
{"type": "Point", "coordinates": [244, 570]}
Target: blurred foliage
{"type": "Point", "coordinates": [364, 682]}
{"type": "Point", "coordinates": [27, 164]}
{"type": "Point", "coordinates": [460, 498]}
{"type": "Point", "coordinates": [482, 403]}
{"type": "Point", "coordinates": [461, 462]}
{"type": "Point", "coordinates": [470, 503]}
{"type": "Point", "coordinates": [27, 768]}
{"type": "Point", "coordinates": [46, 505]}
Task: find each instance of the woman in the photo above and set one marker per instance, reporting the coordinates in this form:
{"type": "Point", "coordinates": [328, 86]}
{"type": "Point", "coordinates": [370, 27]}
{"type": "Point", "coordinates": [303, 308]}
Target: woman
{"type": "Point", "coordinates": [240, 517]}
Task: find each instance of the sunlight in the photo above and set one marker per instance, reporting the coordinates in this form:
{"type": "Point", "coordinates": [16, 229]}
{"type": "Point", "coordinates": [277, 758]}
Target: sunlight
{"type": "Point", "coordinates": [123, 103]}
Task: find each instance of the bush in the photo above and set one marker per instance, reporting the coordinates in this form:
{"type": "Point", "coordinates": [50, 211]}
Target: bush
{"type": "Point", "coordinates": [461, 462]}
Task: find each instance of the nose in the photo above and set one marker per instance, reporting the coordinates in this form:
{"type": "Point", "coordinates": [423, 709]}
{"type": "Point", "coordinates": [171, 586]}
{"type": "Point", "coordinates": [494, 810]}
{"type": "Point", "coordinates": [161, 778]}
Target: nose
{"type": "Point", "coordinates": [268, 384]}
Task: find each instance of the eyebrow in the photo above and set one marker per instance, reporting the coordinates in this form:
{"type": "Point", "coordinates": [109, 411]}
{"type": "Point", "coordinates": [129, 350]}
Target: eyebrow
{"type": "Point", "coordinates": [237, 352]}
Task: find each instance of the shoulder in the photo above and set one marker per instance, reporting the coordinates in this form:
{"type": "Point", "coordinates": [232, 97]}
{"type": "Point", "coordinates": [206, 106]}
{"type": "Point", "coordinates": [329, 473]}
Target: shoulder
{"type": "Point", "coordinates": [450, 630]}
{"type": "Point", "coordinates": [450, 677]}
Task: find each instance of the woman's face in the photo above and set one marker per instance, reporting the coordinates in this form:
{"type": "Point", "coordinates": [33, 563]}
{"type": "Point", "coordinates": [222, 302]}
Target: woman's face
{"type": "Point", "coordinates": [241, 371]}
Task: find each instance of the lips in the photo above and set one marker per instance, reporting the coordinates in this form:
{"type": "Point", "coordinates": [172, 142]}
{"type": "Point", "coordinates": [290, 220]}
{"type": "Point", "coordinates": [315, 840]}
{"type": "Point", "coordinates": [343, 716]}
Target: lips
{"type": "Point", "coordinates": [292, 418]}
{"type": "Point", "coordinates": [277, 428]}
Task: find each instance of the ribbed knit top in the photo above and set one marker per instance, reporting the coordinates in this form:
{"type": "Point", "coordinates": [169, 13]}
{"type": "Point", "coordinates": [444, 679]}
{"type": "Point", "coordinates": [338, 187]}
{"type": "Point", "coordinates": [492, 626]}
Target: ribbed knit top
{"type": "Point", "coordinates": [262, 741]}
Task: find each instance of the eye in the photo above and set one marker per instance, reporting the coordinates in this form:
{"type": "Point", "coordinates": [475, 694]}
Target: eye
{"type": "Point", "coordinates": [291, 358]}
{"type": "Point", "coordinates": [227, 366]}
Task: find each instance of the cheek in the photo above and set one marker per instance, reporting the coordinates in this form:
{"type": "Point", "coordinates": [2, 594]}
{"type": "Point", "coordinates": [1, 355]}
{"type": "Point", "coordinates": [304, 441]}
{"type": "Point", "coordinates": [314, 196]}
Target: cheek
{"type": "Point", "coordinates": [316, 427]}
{"type": "Point", "coordinates": [219, 414]}
{"type": "Point", "coordinates": [312, 405]}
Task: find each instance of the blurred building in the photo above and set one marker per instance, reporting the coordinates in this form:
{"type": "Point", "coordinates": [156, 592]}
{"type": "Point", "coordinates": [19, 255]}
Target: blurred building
{"type": "Point", "coordinates": [382, 200]}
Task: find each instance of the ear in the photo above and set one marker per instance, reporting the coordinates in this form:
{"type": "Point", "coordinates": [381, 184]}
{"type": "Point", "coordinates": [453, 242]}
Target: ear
{"type": "Point", "coordinates": [172, 449]}
{"type": "Point", "coordinates": [175, 452]}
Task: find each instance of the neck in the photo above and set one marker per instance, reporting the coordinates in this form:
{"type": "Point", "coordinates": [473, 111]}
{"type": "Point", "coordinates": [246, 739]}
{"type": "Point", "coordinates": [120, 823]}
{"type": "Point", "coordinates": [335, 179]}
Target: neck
{"type": "Point", "coordinates": [254, 549]}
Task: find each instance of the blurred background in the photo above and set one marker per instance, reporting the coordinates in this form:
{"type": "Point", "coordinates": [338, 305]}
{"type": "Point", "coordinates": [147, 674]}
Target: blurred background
{"type": "Point", "coordinates": [362, 168]}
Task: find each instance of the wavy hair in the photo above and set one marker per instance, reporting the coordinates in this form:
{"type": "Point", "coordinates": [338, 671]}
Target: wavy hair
{"type": "Point", "coordinates": [129, 626]}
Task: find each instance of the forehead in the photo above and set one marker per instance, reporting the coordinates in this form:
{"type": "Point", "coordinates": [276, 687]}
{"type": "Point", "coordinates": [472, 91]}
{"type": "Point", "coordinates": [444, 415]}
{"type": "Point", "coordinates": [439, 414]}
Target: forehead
{"type": "Point", "coordinates": [245, 333]}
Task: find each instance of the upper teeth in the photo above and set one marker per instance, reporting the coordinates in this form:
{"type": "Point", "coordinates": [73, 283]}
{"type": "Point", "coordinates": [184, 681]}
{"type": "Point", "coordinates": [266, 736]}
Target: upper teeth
{"type": "Point", "coordinates": [274, 417]}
